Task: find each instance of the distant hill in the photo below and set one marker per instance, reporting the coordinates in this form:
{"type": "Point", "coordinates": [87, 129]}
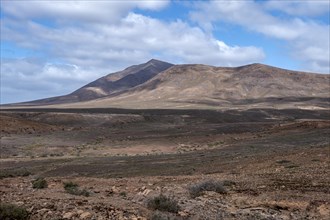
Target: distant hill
{"type": "Point", "coordinates": [158, 84]}
{"type": "Point", "coordinates": [109, 84]}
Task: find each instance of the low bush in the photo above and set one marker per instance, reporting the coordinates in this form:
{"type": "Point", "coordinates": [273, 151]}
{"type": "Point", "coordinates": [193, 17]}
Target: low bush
{"type": "Point", "coordinates": [73, 188]}
{"type": "Point", "coordinates": [163, 203]}
{"type": "Point", "coordinates": [209, 185]}
{"type": "Point", "coordinates": [70, 185]}
{"type": "Point", "coordinates": [283, 161]}
{"type": "Point", "coordinates": [157, 215]}
{"type": "Point", "coordinates": [14, 173]}
{"type": "Point", "coordinates": [39, 183]}
{"type": "Point", "coordinates": [123, 194]}
{"type": "Point", "coordinates": [12, 212]}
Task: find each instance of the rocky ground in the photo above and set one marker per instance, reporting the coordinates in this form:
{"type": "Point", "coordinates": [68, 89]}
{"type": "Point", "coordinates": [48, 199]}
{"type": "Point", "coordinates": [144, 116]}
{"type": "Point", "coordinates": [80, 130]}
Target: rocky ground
{"type": "Point", "coordinates": [266, 169]}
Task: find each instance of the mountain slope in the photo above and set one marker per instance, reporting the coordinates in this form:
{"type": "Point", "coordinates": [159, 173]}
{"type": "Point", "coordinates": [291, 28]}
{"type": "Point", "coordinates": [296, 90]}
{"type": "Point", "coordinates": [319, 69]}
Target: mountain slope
{"type": "Point", "coordinates": [194, 86]}
{"type": "Point", "coordinates": [109, 84]}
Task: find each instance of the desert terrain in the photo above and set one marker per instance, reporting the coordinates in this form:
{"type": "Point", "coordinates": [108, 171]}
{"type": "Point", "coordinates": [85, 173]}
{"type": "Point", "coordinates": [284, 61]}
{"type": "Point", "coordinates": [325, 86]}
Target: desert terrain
{"type": "Point", "coordinates": [272, 164]}
{"type": "Point", "coordinates": [161, 141]}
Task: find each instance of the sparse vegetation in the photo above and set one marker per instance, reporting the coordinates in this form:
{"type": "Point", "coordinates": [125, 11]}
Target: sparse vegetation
{"type": "Point", "coordinates": [214, 144]}
{"type": "Point", "coordinates": [209, 185]}
{"type": "Point", "coordinates": [14, 173]}
{"type": "Point", "coordinates": [123, 194]}
{"type": "Point", "coordinates": [157, 215]}
{"type": "Point", "coordinates": [283, 161]}
{"type": "Point", "coordinates": [12, 212]}
{"type": "Point", "coordinates": [163, 203]}
{"type": "Point", "coordinates": [39, 183]}
{"type": "Point", "coordinates": [73, 188]}
{"type": "Point", "coordinates": [290, 166]}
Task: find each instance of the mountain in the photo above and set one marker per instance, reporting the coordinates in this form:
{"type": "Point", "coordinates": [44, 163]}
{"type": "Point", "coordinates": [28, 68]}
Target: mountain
{"type": "Point", "coordinates": [112, 83]}
{"type": "Point", "coordinates": [202, 86]}
{"type": "Point", "coordinates": [157, 84]}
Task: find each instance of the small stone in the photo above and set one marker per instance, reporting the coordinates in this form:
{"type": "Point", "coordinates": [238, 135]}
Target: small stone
{"type": "Point", "coordinates": [30, 209]}
{"type": "Point", "coordinates": [145, 192]}
{"type": "Point", "coordinates": [114, 189]}
{"type": "Point", "coordinates": [20, 203]}
{"type": "Point", "coordinates": [85, 215]}
{"type": "Point", "coordinates": [79, 212]}
{"type": "Point", "coordinates": [183, 213]}
{"type": "Point", "coordinates": [68, 215]}
{"type": "Point", "coordinates": [44, 210]}
{"type": "Point", "coordinates": [323, 210]}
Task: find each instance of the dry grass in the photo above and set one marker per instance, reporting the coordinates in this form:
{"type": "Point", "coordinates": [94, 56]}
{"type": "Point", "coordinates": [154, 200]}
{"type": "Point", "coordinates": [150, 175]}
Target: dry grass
{"type": "Point", "coordinates": [163, 203]}
{"type": "Point", "coordinates": [208, 185]}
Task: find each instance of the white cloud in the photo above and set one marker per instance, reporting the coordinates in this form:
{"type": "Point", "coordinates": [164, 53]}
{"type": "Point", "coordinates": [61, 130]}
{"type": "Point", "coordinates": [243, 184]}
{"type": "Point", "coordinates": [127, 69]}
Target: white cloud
{"type": "Point", "coordinates": [308, 39]}
{"type": "Point", "coordinates": [88, 49]}
{"type": "Point", "coordinates": [29, 79]}
{"type": "Point", "coordinates": [69, 11]}
{"type": "Point", "coordinates": [134, 39]}
{"type": "Point", "coordinates": [299, 8]}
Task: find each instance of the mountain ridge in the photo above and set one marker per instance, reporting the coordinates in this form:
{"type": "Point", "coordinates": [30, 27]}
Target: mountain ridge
{"type": "Point", "coordinates": [158, 84]}
{"type": "Point", "coordinates": [108, 84]}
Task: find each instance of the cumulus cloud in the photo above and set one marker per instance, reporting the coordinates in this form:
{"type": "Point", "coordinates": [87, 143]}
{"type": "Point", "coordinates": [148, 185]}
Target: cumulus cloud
{"type": "Point", "coordinates": [299, 8]}
{"type": "Point", "coordinates": [134, 38]}
{"type": "Point", "coordinates": [308, 40]}
{"type": "Point", "coordinates": [81, 41]}
{"type": "Point", "coordinates": [69, 11]}
{"type": "Point", "coordinates": [30, 78]}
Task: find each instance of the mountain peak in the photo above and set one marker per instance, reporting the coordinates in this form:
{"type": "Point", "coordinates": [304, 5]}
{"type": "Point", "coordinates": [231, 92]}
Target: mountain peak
{"type": "Point", "coordinates": [155, 61]}
{"type": "Point", "coordinates": [158, 82]}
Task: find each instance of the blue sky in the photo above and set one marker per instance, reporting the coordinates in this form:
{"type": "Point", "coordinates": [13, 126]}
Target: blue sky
{"type": "Point", "coordinates": [51, 48]}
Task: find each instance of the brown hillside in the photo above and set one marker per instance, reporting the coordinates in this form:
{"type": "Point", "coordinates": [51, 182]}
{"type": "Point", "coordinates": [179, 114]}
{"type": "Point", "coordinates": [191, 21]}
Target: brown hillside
{"type": "Point", "coordinates": [185, 86]}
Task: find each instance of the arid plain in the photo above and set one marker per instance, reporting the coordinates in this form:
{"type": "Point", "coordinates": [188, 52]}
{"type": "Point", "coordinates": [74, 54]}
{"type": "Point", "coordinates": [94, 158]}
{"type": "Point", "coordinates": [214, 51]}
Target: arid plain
{"type": "Point", "coordinates": [226, 147]}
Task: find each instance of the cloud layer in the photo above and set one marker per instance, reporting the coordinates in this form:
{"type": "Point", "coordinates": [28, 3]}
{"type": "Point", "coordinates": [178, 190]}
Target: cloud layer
{"type": "Point", "coordinates": [308, 39]}
{"type": "Point", "coordinates": [70, 43]}
{"type": "Point", "coordinates": [100, 38]}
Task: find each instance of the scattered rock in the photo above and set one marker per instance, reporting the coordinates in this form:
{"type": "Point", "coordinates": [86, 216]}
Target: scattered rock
{"type": "Point", "coordinates": [323, 210]}
{"type": "Point", "coordinates": [79, 212]}
{"type": "Point", "coordinates": [68, 215]}
{"type": "Point", "coordinates": [85, 215]}
{"type": "Point", "coordinates": [183, 213]}
{"type": "Point", "coordinates": [42, 211]}
{"type": "Point", "coordinates": [145, 192]}
{"type": "Point", "coordinates": [114, 189]}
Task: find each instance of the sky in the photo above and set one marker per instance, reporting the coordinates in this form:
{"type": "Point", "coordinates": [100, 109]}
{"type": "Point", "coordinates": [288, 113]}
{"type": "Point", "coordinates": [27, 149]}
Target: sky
{"type": "Point", "coordinates": [51, 48]}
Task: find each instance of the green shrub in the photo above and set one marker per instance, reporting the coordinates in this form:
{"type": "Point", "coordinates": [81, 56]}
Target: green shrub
{"type": "Point", "coordinates": [39, 183]}
{"type": "Point", "coordinates": [73, 188]}
{"type": "Point", "coordinates": [209, 185]}
{"type": "Point", "coordinates": [12, 212]}
{"type": "Point", "coordinates": [163, 203]}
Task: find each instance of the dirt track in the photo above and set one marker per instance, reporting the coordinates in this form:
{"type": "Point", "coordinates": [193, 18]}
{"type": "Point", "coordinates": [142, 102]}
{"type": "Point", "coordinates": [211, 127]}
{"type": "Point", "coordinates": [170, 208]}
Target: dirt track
{"type": "Point", "coordinates": [278, 162]}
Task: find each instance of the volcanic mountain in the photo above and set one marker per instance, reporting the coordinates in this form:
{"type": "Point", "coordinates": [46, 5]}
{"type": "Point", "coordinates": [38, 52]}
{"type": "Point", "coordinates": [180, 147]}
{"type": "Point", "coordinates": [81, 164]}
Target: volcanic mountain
{"type": "Point", "coordinates": [158, 84]}
{"type": "Point", "coordinates": [112, 83]}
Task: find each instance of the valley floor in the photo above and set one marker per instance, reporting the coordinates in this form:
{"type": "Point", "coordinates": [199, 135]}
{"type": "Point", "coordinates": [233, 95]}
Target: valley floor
{"type": "Point", "coordinates": [269, 164]}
